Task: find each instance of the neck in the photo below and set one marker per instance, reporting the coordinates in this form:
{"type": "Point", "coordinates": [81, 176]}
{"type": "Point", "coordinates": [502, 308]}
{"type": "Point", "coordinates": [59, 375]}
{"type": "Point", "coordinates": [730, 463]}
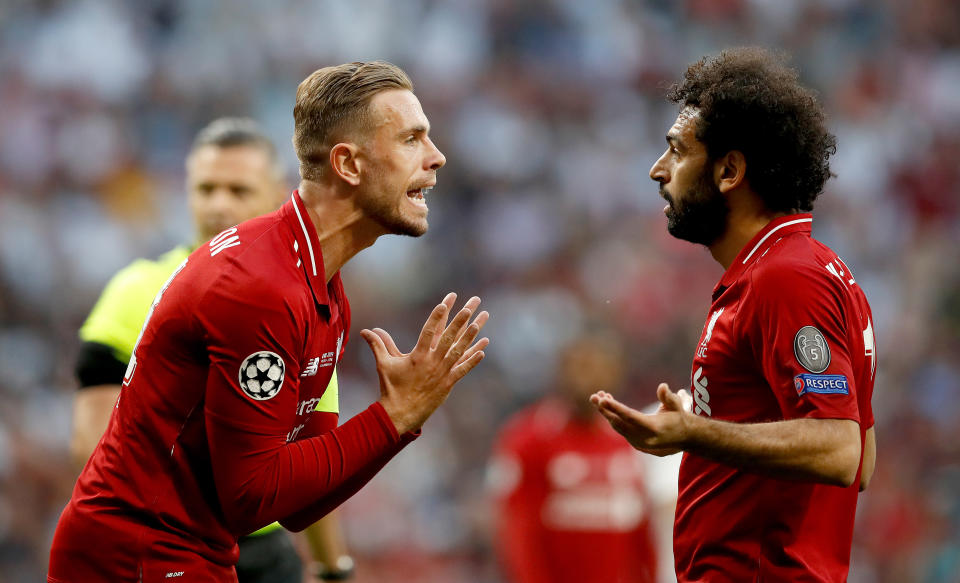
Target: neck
{"type": "Point", "coordinates": [748, 216]}
{"type": "Point", "coordinates": [342, 228]}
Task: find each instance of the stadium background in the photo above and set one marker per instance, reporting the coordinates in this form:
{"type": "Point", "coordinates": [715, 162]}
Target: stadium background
{"type": "Point", "coordinates": [550, 115]}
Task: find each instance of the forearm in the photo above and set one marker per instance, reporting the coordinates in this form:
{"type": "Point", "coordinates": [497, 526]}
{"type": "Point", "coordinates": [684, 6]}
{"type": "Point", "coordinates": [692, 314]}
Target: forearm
{"type": "Point", "coordinates": [91, 413]}
{"type": "Point", "coordinates": [326, 541]}
{"type": "Point", "coordinates": [869, 458]}
{"type": "Point", "coordinates": [336, 496]}
{"type": "Point", "coordinates": [305, 479]}
{"type": "Point", "coordinates": [822, 450]}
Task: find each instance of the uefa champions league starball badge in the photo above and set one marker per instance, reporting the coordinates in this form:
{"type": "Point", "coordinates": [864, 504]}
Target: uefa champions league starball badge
{"type": "Point", "coordinates": [261, 375]}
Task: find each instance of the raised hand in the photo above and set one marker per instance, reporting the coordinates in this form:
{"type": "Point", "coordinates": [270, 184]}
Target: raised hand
{"type": "Point", "coordinates": [414, 384]}
{"type": "Point", "coordinates": [661, 433]}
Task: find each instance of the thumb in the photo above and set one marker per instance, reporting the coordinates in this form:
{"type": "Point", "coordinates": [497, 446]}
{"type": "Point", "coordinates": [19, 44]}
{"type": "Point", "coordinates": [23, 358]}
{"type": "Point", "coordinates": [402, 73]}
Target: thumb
{"type": "Point", "coordinates": [686, 399]}
{"type": "Point", "coordinates": [376, 344]}
{"type": "Point", "coordinates": [668, 399]}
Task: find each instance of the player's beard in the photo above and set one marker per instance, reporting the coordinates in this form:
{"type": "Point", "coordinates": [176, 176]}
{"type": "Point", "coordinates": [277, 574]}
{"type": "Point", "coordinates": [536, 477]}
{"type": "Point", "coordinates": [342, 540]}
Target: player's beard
{"type": "Point", "coordinates": [387, 212]}
{"type": "Point", "coordinates": [701, 214]}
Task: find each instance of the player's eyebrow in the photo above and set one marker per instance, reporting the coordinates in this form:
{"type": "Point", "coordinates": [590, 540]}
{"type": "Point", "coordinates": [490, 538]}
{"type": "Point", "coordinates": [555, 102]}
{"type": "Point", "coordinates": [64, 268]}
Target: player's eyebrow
{"type": "Point", "coordinates": [415, 130]}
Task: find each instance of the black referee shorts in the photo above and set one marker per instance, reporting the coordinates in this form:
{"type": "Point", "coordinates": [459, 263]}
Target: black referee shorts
{"type": "Point", "coordinates": [269, 558]}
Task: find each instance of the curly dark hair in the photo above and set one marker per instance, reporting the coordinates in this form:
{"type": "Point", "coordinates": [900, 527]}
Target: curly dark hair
{"type": "Point", "coordinates": [750, 100]}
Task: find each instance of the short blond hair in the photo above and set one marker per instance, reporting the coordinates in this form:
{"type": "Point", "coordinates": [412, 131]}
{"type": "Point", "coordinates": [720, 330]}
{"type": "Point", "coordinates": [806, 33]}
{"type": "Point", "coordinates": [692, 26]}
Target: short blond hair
{"type": "Point", "coordinates": [335, 100]}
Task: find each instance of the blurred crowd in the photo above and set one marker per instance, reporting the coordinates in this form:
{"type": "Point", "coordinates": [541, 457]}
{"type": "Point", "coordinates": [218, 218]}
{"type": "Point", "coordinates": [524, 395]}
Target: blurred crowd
{"type": "Point", "coordinates": [550, 113]}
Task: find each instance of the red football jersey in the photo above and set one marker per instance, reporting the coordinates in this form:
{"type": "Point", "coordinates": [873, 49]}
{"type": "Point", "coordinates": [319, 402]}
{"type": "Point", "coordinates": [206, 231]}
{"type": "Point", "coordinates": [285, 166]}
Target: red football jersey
{"type": "Point", "coordinates": [215, 433]}
{"type": "Point", "coordinates": [572, 503]}
{"type": "Point", "coordinates": [789, 335]}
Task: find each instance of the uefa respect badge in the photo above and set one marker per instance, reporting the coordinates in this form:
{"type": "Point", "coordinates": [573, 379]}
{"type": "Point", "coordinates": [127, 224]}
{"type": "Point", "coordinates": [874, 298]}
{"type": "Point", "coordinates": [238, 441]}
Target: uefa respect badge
{"type": "Point", "coordinates": [823, 384]}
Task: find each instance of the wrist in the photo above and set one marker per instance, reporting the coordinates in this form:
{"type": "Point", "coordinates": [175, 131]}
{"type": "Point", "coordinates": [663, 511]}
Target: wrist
{"type": "Point", "coordinates": [402, 422]}
{"type": "Point", "coordinates": [341, 570]}
{"type": "Point", "coordinates": [693, 430]}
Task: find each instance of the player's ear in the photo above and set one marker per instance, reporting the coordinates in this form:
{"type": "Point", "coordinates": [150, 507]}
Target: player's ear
{"type": "Point", "coordinates": [730, 170]}
{"type": "Point", "coordinates": [345, 163]}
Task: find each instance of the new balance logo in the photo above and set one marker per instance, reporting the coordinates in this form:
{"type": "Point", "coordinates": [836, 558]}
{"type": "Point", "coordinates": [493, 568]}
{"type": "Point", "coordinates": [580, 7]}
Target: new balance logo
{"type": "Point", "coordinates": [701, 396]}
{"type": "Point", "coordinates": [312, 365]}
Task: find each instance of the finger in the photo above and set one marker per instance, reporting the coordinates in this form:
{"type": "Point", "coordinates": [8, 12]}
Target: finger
{"type": "Point", "coordinates": [480, 321]}
{"type": "Point", "coordinates": [433, 326]}
{"type": "Point", "coordinates": [615, 421]}
{"type": "Point", "coordinates": [472, 304]}
{"type": "Point", "coordinates": [375, 343]}
{"type": "Point", "coordinates": [598, 397]}
{"type": "Point", "coordinates": [477, 347]}
{"type": "Point", "coordinates": [609, 420]}
{"type": "Point", "coordinates": [669, 399]}
{"type": "Point", "coordinates": [620, 409]}
{"type": "Point", "coordinates": [450, 300]}
{"type": "Point", "coordinates": [686, 399]}
{"type": "Point", "coordinates": [460, 347]}
{"type": "Point", "coordinates": [461, 370]}
{"type": "Point", "coordinates": [456, 326]}
{"type": "Point", "coordinates": [391, 346]}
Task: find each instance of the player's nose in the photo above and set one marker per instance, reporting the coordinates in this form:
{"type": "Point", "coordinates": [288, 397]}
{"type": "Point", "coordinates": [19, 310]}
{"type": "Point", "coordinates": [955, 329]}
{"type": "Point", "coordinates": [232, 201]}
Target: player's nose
{"type": "Point", "coordinates": [435, 158]}
{"type": "Point", "coordinates": [658, 172]}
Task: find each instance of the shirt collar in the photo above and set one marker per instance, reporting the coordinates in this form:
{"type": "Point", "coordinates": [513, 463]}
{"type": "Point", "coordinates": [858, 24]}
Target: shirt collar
{"type": "Point", "coordinates": [306, 247]}
{"type": "Point", "coordinates": [761, 243]}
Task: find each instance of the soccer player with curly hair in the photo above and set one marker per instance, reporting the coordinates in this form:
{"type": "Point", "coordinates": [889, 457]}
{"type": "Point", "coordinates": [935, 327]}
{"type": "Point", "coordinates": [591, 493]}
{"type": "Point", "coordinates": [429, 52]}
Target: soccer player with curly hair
{"type": "Point", "coordinates": [780, 438]}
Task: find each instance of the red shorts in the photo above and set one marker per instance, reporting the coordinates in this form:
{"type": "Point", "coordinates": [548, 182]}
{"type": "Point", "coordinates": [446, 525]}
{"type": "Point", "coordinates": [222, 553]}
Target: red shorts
{"type": "Point", "coordinates": [91, 550]}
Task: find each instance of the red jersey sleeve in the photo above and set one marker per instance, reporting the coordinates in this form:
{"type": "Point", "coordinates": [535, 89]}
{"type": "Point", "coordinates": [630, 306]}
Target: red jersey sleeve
{"type": "Point", "coordinates": [251, 408]}
{"type": "Point", "coordinates": [794, 321]}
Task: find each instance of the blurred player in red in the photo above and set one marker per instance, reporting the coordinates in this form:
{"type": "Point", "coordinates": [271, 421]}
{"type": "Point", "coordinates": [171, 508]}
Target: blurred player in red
{"type": "Point", "coordinates": [571, 497]}
{"type": "Point", "coordinates": [783, 374]}
{"type": "Point", "coordinates": [224, 423]}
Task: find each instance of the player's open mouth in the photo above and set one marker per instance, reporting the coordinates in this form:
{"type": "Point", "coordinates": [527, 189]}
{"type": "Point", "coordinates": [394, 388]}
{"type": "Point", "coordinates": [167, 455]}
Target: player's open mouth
{"type": "Point", "coordinates": [417, 195]}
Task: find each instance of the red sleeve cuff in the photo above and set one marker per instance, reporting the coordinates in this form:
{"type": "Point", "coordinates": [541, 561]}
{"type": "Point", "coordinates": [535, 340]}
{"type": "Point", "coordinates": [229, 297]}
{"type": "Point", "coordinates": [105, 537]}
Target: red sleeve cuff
{"type": "Point", "coordinates": [380, 414]}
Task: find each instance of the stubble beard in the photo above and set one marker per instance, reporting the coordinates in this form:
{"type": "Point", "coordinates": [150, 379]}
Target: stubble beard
{"type": "Point", "coordinates": [386, 213]}
{"type": "Point", "coordinates": [701, 216]}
